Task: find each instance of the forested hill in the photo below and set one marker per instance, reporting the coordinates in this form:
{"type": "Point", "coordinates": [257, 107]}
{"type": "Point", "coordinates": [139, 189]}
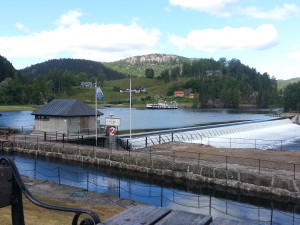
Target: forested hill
{"type": "Point", "coordinates": [74, 66]}
{"type": "Point", "coordinates": [216, 82]}
{"type": "Point", "coordinates": [6, 69]}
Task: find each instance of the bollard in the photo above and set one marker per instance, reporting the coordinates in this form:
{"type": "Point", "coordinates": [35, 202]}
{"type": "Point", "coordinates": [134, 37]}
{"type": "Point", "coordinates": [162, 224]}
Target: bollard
{"type": "Point", "coordinates": [294, 171]}
{"type": "Point", "coordinates": [34, 170]}
{"type": "Point", "coordinates": [87, 181]}
{"type": "Point", "coordinates": [58, 174]}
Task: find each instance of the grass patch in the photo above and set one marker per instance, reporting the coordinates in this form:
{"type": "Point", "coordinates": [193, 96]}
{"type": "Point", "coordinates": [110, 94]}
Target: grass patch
{"type": "Point", "coordinates": [156, 89]}
{"type": "Point", "coordinates": [35, 215]}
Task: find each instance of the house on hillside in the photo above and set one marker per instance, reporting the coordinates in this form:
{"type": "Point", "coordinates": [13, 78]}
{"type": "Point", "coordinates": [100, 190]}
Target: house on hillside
{"type": "Point", "coordinates": [66, 116]}
{"type": "Point", "coordinates": [178, 94]}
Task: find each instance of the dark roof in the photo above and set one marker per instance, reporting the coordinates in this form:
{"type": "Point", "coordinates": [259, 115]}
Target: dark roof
{"type": "Point", "coordinates": [66, 108]}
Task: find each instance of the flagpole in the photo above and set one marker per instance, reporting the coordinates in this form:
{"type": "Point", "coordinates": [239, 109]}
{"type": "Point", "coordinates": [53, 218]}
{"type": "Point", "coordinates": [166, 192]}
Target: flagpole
{"type": "Point", "coordinates": [96, 109]}
{"type": "Point", "coordinates": [130, 108]}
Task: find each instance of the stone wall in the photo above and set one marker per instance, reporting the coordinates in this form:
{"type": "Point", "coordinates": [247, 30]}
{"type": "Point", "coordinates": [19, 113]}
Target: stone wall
{"type": "Point", "coordinates": [133, 161]}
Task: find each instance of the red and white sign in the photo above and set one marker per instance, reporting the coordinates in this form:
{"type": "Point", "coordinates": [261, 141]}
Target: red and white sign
{"type": "Point", "coordinates": [112, 131]}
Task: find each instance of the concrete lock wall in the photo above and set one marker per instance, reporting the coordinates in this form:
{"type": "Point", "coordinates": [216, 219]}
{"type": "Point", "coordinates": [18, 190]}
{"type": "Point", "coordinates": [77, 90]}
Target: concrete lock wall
{"type": "Point", "coordinates": [238, 180]}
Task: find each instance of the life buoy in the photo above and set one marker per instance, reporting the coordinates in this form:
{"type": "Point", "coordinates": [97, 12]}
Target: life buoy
{"type": "Point", "coordinates": [112, 131]}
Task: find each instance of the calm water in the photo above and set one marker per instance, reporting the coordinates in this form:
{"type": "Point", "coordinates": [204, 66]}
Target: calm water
{"type": "Point", "coordinates": [160, 119]}
{"type": "Point", "coordinates": [17, 119]}
{"type": "Point", "coordinates": [148, 119]}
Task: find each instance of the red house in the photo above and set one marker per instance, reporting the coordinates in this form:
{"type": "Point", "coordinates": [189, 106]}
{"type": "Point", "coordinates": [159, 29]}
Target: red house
{"type": "Point", "coordinates": [178, 94]}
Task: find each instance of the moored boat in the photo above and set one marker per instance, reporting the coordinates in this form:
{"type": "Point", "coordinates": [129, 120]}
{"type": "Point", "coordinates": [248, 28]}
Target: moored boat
{"type": "Point", "coordinates": [163, 105]}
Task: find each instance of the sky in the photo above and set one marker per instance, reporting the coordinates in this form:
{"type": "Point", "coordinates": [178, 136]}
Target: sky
{"type": "Point", "coordinates": [263, 34]}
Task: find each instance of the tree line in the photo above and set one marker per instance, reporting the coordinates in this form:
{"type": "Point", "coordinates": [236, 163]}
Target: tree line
{"type": "Point", "coordinates": [18, 89]}
{"type": "Point", "coordinates": [292, 97]}
{"type": "Point", "coordinates": [229, 82]}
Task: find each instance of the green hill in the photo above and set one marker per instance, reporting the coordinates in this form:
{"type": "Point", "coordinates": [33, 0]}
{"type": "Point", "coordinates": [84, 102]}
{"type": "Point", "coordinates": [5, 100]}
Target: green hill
{"type": "Point", "coordinates": [281, 84]}
{"type": "Point", "coordinates": [74, 66]}
{"type": "Point", "coordinates": [213, 83]}
{"type": "Point", "coordinates": [155, 89]}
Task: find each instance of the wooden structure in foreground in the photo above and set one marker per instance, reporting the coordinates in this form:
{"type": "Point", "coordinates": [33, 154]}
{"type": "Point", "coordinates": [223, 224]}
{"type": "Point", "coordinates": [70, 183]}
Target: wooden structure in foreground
{"type": "Point", "coordinates": [153, 215]}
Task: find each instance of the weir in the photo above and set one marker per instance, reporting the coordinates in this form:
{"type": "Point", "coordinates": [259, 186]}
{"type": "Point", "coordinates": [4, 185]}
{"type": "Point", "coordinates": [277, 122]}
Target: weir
{"type": "Point", "coordinates": [270, 134]}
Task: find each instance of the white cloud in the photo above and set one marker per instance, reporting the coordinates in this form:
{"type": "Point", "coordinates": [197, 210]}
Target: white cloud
{"type": "Point", "coordinates": [277, 13]}
{"type": "Point", "coordinates": [213, 7]}
{"type": "Point", "coordinates": [69, 18]}
{"type": "Point", "coordinates": [21, 27]}
{"type": "Point", "coordinates": [228, 39]}
{"type": "Point", "coordinates": [223, 8]}
{"type": "Point", "coordinates": [101, 42]}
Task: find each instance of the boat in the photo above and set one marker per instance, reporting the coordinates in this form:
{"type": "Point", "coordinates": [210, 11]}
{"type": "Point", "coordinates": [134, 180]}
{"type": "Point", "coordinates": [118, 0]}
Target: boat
{"type": "Point", "coordinates": [163, 105]}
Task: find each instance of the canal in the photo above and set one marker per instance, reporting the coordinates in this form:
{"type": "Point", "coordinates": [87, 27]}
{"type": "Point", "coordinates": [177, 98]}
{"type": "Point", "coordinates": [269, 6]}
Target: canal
{"type": "Point", "coordinates": [169, 193]}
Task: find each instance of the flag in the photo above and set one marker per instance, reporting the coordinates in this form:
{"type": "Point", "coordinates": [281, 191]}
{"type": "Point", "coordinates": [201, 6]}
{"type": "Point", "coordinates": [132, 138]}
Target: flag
{"type": "Point", "coordinates": [99, 93]}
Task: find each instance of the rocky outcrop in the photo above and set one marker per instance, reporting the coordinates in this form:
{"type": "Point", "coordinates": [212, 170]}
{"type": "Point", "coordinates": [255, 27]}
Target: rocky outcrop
{"type": "Point", "coordinates": [157, 58]}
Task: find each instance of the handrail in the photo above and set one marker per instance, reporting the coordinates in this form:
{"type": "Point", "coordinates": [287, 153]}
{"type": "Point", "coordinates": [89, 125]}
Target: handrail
{"type": "Point", "coordinates": [5, 162]}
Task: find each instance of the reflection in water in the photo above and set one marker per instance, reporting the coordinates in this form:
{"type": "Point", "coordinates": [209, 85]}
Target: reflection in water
{"type": "Point", "coordinates": [193, 197]}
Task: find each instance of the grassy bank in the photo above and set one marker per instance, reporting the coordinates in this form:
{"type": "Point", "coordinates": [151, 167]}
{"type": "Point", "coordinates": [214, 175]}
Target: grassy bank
{"type": "Point", "coordinates": [156, 89]}
{"type": "Point", "coordinates": [16, 108]}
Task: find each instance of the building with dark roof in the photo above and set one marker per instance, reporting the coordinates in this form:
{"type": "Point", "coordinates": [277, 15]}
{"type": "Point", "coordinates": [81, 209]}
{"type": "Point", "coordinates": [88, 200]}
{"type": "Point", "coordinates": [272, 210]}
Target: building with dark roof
{"type": "Point", "coordinates": [66, 116]}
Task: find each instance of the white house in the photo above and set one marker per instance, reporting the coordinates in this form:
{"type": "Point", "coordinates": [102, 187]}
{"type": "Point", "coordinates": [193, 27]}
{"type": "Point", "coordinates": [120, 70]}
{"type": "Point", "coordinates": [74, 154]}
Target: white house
{"type": "Point", "coordinates": [66, 116]}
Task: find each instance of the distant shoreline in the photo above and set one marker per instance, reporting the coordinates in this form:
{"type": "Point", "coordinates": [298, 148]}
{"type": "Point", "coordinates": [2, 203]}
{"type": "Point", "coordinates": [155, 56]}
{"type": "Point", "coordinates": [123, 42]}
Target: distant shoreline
{"type": "Point", "coordinates": [16, 108]}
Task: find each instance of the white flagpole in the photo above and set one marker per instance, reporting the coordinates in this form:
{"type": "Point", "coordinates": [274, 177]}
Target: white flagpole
{"type": "Point", "coordinates": [130, 108]}
{"type": "Point", "coordinates": [96, 109]}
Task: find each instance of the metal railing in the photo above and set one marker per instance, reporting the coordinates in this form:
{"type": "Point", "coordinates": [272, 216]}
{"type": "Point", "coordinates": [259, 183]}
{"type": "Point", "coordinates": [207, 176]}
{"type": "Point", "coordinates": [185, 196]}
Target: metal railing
{"type": "Point", "coordinates": [205, 202]}
{"type": "Point", "coordinates": [256, 165]}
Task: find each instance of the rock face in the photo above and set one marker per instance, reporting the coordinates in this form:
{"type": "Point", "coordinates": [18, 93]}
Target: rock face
{"type": "Point", "coordinates": [153, 58]}
{"type": "Point", "coordinates": [246, 180]}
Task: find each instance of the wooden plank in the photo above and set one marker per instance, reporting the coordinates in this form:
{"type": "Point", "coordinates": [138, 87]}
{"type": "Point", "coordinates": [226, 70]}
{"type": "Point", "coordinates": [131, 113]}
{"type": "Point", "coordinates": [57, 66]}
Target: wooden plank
{"type": "Point", "coordinates": [222, 221]}
{"type": "Point", "coordinates": [181, 217]}
{"type": "Point", "coordinates": [142, 215]}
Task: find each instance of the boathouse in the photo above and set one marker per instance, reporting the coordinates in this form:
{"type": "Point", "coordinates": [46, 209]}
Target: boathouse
{"type": "Point", "coordinates": [65, 116]}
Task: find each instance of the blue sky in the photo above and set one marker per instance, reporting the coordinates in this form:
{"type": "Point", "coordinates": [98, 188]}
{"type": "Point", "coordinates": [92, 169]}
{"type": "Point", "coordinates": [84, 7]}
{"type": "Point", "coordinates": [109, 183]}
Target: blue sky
{"type": "Point", "coordinates": [263, 34]}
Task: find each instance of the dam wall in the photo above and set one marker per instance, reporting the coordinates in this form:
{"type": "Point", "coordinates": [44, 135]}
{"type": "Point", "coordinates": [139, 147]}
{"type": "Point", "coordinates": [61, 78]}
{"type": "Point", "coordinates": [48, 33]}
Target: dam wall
{"type": "Point", "coordinates": [270, 134]}
{"type": "Point", "coordinates": [234, 178]}
{"type": "Point", "coordinates": [296, 119]}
